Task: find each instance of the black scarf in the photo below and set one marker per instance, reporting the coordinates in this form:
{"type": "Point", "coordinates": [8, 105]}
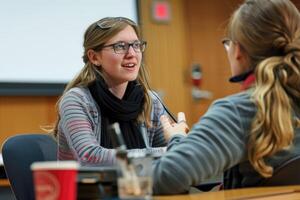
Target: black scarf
{"type": "Point", "coordinates": [240, 77]}
{"type": "Point", "coordinates": [124, 111]}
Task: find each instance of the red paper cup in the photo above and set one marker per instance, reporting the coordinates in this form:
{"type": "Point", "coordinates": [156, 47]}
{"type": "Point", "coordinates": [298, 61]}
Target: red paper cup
{"type": "Point", "coordinates": [55, 180]}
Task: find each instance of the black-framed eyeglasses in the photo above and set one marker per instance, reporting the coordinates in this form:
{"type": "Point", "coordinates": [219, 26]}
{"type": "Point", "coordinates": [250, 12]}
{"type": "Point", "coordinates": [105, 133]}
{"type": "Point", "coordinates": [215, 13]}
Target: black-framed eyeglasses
{"type": "Point", "coordinates": [123, 47]}
{"type": "Point", "coordinates": [226, 43]}
{"type": "Point", "coordinates": [109, 22]}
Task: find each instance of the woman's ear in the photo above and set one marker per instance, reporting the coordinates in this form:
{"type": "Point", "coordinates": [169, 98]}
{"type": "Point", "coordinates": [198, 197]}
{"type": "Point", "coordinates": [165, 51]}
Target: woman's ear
{"type": "Point", "coordinates": [238, 52]}
{"type": "Point", "coordinates": [93, 57]}
{"type": "Point", "coordinates": [241, 55]}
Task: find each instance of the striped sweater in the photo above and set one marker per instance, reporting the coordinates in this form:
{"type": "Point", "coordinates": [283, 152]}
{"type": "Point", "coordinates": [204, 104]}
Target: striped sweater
{"type": "Point", "coordinates": [79, 130]}
{"type": "Point", "coordinates": [214, 144]}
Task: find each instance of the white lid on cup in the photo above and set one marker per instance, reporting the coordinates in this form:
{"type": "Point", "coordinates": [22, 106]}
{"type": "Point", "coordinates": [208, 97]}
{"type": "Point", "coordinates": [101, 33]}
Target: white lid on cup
{"type": "Point", "coordinates": [57, 165]}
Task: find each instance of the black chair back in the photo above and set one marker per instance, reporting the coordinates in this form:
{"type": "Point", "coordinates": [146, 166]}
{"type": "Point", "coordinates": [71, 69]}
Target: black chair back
{"type": "Point", "coordinates": [19, 152]}
{"type": "Point", "coordinates": [286, 174]}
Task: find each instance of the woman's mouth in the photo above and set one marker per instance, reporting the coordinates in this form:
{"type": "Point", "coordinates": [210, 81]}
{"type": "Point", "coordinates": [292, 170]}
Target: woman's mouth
{"type": "Point", "coordinates": [129, 65]}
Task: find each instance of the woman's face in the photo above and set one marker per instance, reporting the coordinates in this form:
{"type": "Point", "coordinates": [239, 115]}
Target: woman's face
{"type": "Point", "coordinates": [237, 58]}
{"type": "Point", "coordinates": [119, 68]}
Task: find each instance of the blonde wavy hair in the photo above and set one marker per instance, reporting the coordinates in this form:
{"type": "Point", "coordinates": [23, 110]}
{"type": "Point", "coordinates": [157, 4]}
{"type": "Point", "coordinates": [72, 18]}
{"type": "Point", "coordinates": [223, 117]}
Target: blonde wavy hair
{"type": "Point", "coordinates": [94, 38]}
{"type": "Point", "coordinates": [269, 32]}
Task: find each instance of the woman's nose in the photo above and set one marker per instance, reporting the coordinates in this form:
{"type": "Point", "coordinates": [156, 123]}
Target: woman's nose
{"type": "Point", "coordinates": [130, 51]}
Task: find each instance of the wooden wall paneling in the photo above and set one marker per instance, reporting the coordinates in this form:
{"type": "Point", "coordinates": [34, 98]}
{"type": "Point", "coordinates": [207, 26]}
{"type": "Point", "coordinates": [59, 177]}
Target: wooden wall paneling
{"type": "Point", "coordinates": [166, 53]}
{"type": "Point", "coordinates": [25, 115]}
{"type": "Point", "coordinates": [207, 21]}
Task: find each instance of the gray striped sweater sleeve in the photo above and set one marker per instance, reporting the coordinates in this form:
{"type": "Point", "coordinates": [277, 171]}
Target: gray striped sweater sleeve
{"type": "Point", "coordinates": [157, 139]}
{"type": "Point", "coordinates": [215, 143]}
{"type": "Point", "coordinates": [76, 124]}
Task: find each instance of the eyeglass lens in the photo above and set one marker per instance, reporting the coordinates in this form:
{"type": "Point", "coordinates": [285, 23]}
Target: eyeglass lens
{"type": "Point", "coordinates": [123, 47]}
{"type": "Point", "coordinates": [226, 43]}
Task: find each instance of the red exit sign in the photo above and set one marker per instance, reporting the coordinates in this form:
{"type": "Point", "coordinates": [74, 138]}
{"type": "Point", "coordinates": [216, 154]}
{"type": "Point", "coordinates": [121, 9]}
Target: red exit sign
{"type": "Point", "coordinates": [161, 11]}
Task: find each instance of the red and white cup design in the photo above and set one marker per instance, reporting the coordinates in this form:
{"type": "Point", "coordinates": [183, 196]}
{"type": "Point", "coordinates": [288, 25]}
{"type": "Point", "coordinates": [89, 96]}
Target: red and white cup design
{"type": "Point", "coordinates": [55, 180]}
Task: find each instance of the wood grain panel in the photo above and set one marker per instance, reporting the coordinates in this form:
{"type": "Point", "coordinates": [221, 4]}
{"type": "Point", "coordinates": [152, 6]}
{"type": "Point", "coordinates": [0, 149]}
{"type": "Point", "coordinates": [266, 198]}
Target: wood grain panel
{"type": "Point", "coordinates": [207, 21]}
{"type": "Point", "coordinates": [25, 114]}
{"type": "Point", "coordinates": [166, 54]}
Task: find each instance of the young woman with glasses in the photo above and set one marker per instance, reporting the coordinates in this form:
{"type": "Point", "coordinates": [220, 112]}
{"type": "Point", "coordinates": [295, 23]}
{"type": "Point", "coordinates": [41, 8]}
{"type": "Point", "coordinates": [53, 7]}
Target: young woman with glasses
{"type": "Point", "coordinates": [253, 132]}
{"type": "Point", "coordinates": [111, 87]}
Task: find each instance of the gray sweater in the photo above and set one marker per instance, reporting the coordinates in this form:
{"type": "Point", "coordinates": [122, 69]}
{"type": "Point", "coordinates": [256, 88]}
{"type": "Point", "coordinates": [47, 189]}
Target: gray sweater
{"type": "Point", "coordinates": [217, 142]}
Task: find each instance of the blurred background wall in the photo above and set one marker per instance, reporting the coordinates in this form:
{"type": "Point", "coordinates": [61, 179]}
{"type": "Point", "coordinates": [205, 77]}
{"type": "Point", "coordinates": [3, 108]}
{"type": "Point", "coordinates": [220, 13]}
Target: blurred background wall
{"type": "Point", "coordinates": [192, 37]}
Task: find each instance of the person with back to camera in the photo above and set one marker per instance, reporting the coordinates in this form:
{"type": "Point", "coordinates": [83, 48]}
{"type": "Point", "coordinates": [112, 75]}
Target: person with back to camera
{"type": "Point", "coordinates": [111, 87]}
{"type": "Point", "coordinates": [252, 132]}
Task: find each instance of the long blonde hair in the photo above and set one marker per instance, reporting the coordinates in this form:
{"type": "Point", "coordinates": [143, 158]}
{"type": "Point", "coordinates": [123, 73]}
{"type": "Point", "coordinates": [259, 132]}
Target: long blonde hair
{"type": "Point", "coordinates": [269, 32]}
{"type": "Point", "coordinates": [94, 38]}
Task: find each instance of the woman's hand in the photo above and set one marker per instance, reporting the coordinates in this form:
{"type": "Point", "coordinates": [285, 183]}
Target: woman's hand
{"type": "Point", "coordinates": [171, 128]}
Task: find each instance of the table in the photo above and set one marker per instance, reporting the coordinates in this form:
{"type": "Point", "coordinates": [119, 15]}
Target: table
{"type": "Point", "coordinates": [259, 193]}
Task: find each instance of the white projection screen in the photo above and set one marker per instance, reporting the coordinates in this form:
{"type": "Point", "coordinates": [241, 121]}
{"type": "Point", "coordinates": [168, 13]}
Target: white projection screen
{"type": "Point", "coordinates": [41, 41]}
